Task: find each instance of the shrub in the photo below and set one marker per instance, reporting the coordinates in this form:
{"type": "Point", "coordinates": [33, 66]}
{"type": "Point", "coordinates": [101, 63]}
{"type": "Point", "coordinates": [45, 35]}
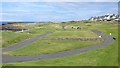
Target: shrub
{"type": "Point", "coordinates": [87, 21]}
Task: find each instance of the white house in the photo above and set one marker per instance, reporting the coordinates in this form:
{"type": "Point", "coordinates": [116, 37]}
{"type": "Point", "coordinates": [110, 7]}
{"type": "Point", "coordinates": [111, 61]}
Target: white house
{"type": "Point", "coordinates": [105, 18]}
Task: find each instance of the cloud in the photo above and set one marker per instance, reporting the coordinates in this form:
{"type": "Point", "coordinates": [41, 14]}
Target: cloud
{"type": "Point", "coordinates": [4, 20]}
{"type": "Point", "coordinates": [60, 1]}
{"type": "Point", "coordinates": [106, 0]}
{"type": "Point", "coordinates": [54, 11]}
{"type": "Point", "coordinates": [25, 7]}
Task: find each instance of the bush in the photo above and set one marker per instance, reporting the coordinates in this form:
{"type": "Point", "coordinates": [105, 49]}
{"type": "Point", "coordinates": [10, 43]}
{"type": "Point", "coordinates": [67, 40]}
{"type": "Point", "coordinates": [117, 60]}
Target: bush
{"type": "Point", "coordinates": [87, 21]}
{"type": "Point", "coordinates": [72, 21]}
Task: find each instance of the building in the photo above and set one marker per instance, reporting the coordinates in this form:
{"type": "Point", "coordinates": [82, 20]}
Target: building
{"type": "Point", "coordinates": [106, 18]}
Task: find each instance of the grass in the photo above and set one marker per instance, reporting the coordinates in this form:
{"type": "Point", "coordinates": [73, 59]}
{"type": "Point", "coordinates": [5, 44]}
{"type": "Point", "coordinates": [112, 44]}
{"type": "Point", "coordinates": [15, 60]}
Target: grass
{"type": "Point", "coordinates": [107, 56]}
{"type": "Point", "coordinates": [9, 37]}
{"type": "Point", "coordinates": [74, 34]}
{"type": "Point", "coordinates": [48, 45]}
{"type": "Point", "coordinates": [101, 57]}
{"type": "Point", "coordinates": [0, 38]}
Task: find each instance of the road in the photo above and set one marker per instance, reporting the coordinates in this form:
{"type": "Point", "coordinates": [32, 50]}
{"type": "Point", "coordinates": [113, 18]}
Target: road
{"type": "Point", "coordinates": [107, 41]}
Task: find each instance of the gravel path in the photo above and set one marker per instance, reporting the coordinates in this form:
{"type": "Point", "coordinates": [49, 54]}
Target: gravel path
{"type": "Point", "coordinates": [107, 40]}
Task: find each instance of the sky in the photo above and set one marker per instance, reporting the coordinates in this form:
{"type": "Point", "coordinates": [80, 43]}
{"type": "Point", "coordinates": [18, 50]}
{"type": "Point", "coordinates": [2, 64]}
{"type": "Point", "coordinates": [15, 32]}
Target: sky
{"type": "Point", "coordinates": [59, 0]}
{"type": "Point", "coordinates": [55, 11]}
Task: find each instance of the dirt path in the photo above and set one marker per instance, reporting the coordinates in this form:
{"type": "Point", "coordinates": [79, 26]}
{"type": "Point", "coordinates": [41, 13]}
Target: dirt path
{"type": "Point", "coordinates": [107, 40]}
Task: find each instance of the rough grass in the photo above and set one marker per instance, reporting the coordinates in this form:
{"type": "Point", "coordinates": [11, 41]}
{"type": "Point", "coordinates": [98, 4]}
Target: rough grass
{"type": "Point", "coordinates": [9, 37]}
{"type": "Point", "coordinates": [107, 56]}
{"type": "Point", "coordinates": [48, 45]}
{"type": "Point", "coordinates": [74, 34]}
{"type": "Point", "coordinates": [0, 38]}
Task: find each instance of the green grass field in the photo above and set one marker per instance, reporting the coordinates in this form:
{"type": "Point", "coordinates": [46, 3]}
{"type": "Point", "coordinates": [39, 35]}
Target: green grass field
{"type": "Point", "coordinates": [9, 37]}
{"type": "Point", "coordinates": [74, 34]}
{"type": "Point", "coordinates": [107, 56]}
{"type": "Point", "coordinates": [48, 45]}
{"type": "Point", "coordinates": [101, 57]}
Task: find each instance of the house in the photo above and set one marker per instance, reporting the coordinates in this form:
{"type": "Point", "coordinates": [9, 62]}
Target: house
{"type": "Point", "coordinates": [106, 18]}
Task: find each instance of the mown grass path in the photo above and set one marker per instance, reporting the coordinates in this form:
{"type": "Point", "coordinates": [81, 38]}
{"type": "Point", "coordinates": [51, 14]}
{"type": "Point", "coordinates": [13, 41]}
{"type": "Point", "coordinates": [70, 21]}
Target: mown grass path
{"type": "Point", "coordinates": [107, 40]}
{"type": "Point", "coordinates": [25, 42]}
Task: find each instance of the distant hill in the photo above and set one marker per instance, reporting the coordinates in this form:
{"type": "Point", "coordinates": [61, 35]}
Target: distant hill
{"type": "Point", "coordinates": [13, 22]}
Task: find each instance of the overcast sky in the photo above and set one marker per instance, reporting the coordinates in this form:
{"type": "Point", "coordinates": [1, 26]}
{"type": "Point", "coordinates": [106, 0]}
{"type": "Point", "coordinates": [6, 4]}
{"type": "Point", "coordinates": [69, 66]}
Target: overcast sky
{"type": "Point", "coordinates": [55, 11]}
